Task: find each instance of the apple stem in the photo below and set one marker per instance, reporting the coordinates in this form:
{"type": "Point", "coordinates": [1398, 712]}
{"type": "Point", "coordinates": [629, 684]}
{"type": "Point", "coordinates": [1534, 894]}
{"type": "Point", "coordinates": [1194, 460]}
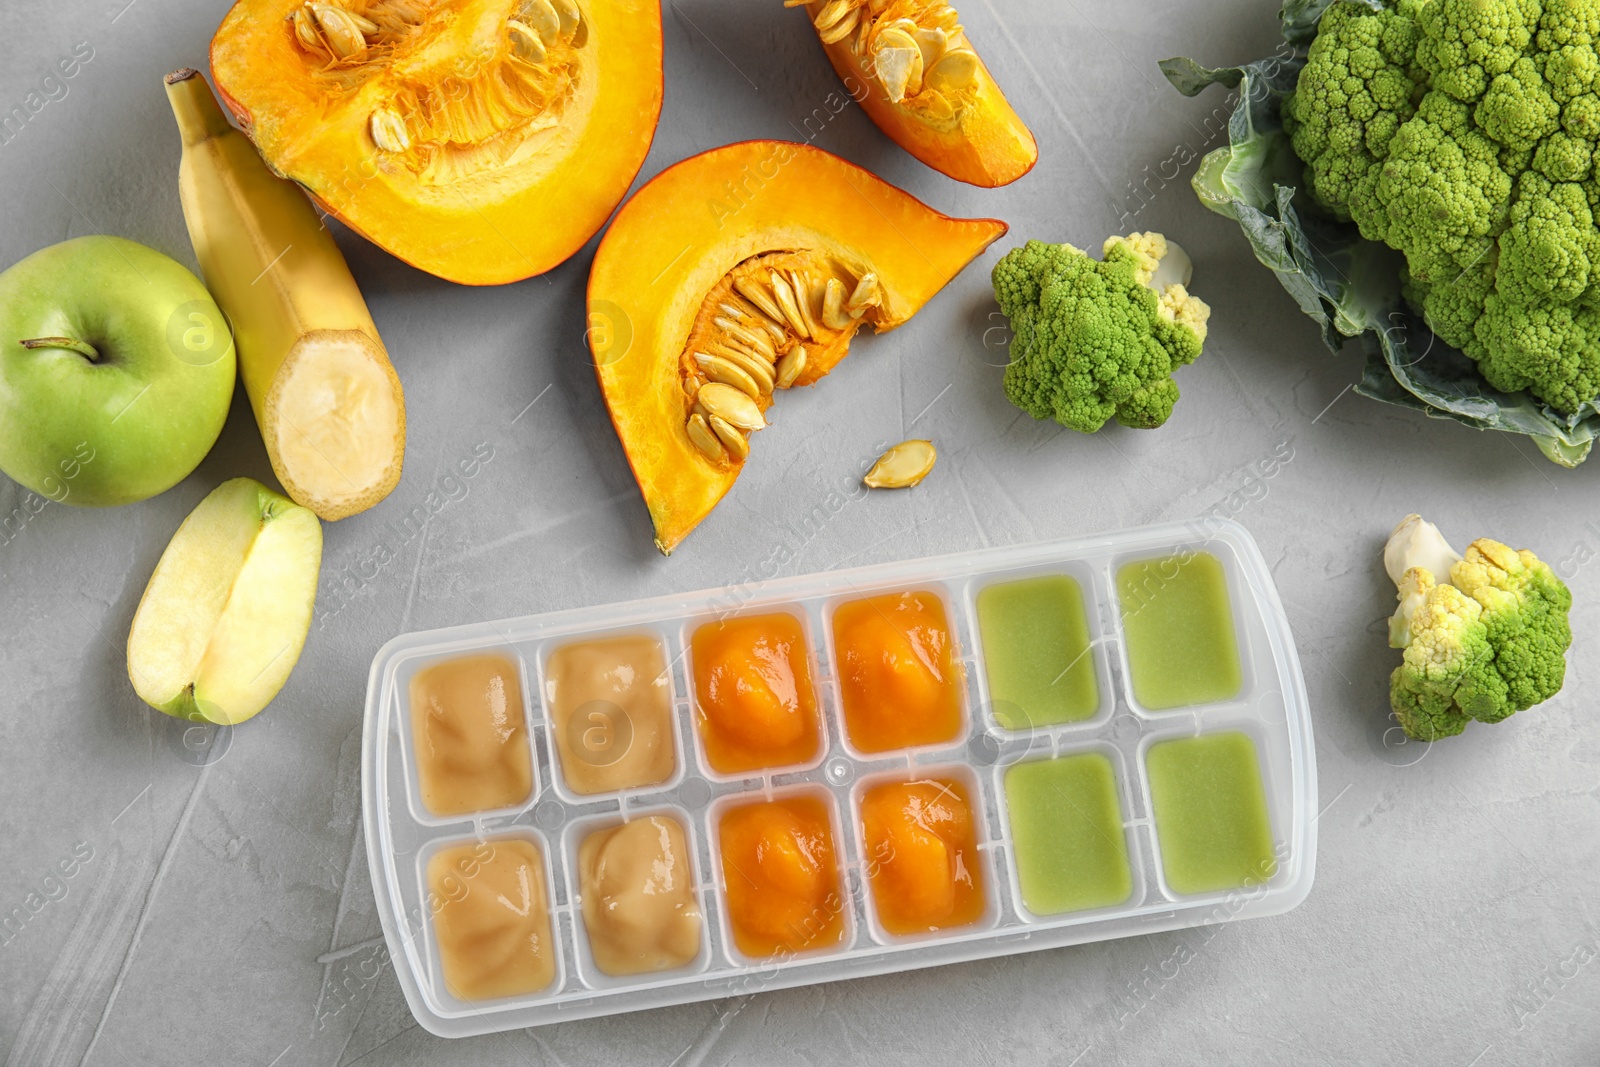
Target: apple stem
{"type": "Point", "coordinates": [83, 348]}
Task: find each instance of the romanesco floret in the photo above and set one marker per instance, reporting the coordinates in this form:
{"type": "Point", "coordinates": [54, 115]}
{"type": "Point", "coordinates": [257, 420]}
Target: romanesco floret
{"type": "Point", "coordinates": [1463, 133]}
{"type": "Point", "coordinates": [1491, 642]}
{"type": "Point", "coordinates": [1097, 339]}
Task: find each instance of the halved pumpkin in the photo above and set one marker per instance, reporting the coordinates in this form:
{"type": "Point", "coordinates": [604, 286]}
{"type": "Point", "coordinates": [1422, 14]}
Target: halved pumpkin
{"type": "Point", "coordinates": [913, 70]}
{"type": "Point", "coordinates": [738, 273]}
{"type": "Point", "coordinates": [480, 140]}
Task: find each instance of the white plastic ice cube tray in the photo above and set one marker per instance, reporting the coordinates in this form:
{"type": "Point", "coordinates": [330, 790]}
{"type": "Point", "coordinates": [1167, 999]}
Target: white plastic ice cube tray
{"type": "Point", "coordinates": [1271, 708]}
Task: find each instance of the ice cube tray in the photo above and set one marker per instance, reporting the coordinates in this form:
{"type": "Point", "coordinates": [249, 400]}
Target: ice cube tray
{"type": "Point", "coordinates": [1271, 709]}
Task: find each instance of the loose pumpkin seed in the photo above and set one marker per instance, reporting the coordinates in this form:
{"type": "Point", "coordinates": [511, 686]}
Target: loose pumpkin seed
{"type": "Point", "coordinates": [389, 130]}
{"type": "Point", "coordinates": [731, 405]}
{"type": "Point", "coordinates": [904, 465]}
{"type": "Point", "coordinates": [791, 366]}
{"type": "Point", "coordinates": [786, 302]}
{"type": "Point", "coordinates": [720, 369]}
{"type": "Point", "coordinates": [737, 444]}
{"type": "Point", "coordinates": [705, 440]}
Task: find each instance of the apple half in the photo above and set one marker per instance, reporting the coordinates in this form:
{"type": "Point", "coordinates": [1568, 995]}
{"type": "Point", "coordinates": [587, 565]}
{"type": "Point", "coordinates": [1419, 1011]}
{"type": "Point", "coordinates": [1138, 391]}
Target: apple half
{"type": "Point", "coordinates": [226, 613]}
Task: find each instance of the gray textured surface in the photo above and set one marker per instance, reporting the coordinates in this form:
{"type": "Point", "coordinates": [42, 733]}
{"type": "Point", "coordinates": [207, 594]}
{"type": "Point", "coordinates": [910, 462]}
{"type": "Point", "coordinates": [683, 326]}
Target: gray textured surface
{"type": "Point", "coordinates": [225, 914]}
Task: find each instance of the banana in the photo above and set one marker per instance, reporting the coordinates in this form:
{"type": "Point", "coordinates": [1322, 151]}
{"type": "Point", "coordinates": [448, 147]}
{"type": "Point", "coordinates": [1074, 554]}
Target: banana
{"type": "Point", "coordinates": [325, 395]}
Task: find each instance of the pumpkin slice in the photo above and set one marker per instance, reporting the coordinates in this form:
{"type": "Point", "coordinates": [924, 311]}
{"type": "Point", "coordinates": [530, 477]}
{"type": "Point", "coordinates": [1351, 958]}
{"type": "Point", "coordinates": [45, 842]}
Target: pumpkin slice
{"type": "Point", "coordinates": [483, 141]}
{"type": "Point", "coordinates": [911, 67]}
{"type": "Point", "coordinates": [738, 273]}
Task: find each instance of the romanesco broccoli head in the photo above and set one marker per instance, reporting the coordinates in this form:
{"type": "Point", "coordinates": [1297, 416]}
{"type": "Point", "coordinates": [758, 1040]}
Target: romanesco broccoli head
{"type": "Point", "coordinates": [1097, 339]}
{"type": "Point", "coordinates": [1464, 133]}
{"type": "Point", "coordinates": [1489, 643]}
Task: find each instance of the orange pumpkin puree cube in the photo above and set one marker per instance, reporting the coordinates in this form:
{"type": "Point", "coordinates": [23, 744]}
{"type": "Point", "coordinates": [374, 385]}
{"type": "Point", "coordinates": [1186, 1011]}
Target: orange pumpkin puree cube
{"type": "Point", "coordinates": [899, 680]}
{"type": "Point", "coordinates": [780, 876]}
{"type": "Point", "coordinates": [922, 855]}
{"type": "Point", "coordinates": [756, 706]}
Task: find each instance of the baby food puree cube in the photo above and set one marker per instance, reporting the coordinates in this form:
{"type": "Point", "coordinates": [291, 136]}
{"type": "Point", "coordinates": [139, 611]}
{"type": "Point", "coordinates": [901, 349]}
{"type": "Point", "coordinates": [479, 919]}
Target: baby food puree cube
{"type": "Point", "coordinates": [922, 855]}
{"type": "Point", "coordinates": [1211, 812]}
{"type": "Point", "coordinates": [1179, 628]}
{"type": "Point", "coordinates": [639, 906]}
{"type": "Point", "coordinates": [469, 735]}
{"type": "Point", "coordinates": [491, 918]}
{"type": "Point", "coordinates": [1066, 832]}
{"type": "Point", "coordinates": [756, 706]}
{"type": "Point", "coordinates": [780, 877]}
{"type": "Point", "coordinates": [1036, 652]}
{"type": "Point", "coordinates": [610, 703]}
{"type": "Point", "coordinates": [899, 680]}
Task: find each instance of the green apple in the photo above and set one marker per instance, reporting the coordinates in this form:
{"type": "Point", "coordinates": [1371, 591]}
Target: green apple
{"type": "Point", "coordinates": [116, 372]}
{"type": "Point", "coordinates": [226, 612]}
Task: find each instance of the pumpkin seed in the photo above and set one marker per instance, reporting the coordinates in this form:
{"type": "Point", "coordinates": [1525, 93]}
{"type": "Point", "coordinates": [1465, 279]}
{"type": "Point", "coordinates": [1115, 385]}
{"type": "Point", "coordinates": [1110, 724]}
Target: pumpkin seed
{"type": "Point", "coordinates": [758, 341]}
{"type": "Point", "coordinates": [705, 440]}
{"type": "Point", "coordinates": [904, 465]}
{"type": "Point", "coordinates": [737, 444]}
{"type": "Point", "coordinates": [786, 302]}
{"type": "Point", "coordinates": [525, 43]}
{"type": "Point", "coordinates": [833, 314]}
{"type": "Point", "coordinates": [760, 370]}
{"type": "Point", "coordinates": [832, 12]}
{"type": "Point", "coordinates": [307, 33]}
{"type": "Point", "coordinates": [340, 30]}
{"type": "Point", "coordinates": [569, 16]}
{"type": "Point", "coordinates": [956, 69]}
{"type": "Point", "coordinates": [719, 369]}
{"type": "Point", "coordinates": [791, 366]}
{"type": "Point", "coordinates": [751, 290]}
{"type": "Point", "coordinates": [899, 70]}
{"type": "Point", "coordinates": [841, 29]}
{"type": "Point", "coordinates": [389, 130]}
{"type": "Point", "coordinates": [730, 405]}
{"type": "Point", "coordinates": [802, 300]}
{"type": "Point", "coordinates": [541, 17]}
{"type": "Point", "coordinates": [867, 294]}
{"type": "Point", "coordinates": [934, 106]}
{"type": "Point", "coordinates": [931, 41]}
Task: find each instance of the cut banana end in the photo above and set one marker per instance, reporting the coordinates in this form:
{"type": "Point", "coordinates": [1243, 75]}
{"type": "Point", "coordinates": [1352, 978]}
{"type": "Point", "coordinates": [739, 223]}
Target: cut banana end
{"type": "Point", "coordinates": [334, 423]}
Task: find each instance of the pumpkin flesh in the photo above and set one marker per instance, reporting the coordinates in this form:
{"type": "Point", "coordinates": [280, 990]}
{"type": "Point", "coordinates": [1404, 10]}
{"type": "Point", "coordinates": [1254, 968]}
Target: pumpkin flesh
{"type": "Point", "coordinates": [680, 246]}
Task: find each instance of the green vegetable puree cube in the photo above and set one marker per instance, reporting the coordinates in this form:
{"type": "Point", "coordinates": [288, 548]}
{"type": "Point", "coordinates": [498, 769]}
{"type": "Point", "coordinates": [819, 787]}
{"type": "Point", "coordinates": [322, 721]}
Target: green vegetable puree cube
{"type": "Point", "coordinates": [1036, 652]}
{"type": "Point", "coordinates": [1210, 812]}
{"type": "Point", "coordinates": [1066, 833]}
{"type": "Point", "coordinates": [1179, 630]}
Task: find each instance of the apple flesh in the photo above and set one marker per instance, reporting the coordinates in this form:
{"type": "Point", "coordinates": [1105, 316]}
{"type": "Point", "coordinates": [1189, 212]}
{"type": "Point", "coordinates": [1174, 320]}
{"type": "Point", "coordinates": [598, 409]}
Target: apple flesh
{"type": "Point", "coordinates": [116, 372]}
{"type": "Point", "coordinates": [227, 610]}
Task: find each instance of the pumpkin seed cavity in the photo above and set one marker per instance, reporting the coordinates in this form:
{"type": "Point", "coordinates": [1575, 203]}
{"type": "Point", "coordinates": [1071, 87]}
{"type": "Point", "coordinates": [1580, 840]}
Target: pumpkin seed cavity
{"type": "Point", "coordinates": [450, 116]}
{"type": "Point", "coordinates": [915, 49]}
{"type": "Point", "coordinates": [768, 324]}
